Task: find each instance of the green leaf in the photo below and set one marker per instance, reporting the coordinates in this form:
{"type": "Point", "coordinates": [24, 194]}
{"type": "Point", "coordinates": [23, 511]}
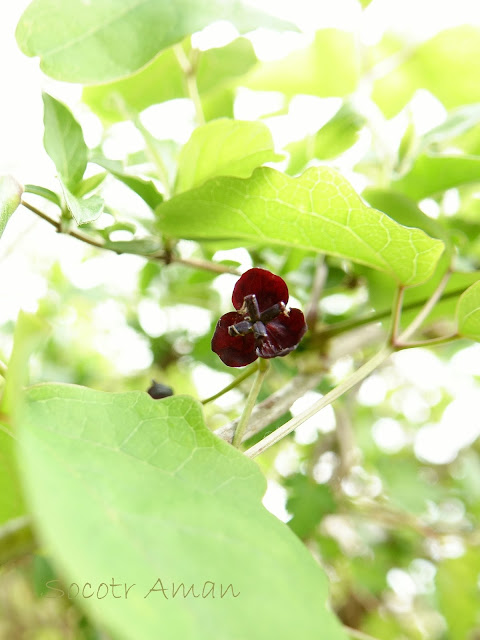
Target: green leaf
{"type": "Point", "coordinates": [328, 67]}
{"type": "Point", "coordinates": [335, 137]}
{"type": "Point", "coordinates": [458, 122]}
{"type": "Point", "coordinates": [431, 174]}
{"type": "Point", "coordinates": [83, 210]}
{"type": "Point", "coordinates": [445, 65]}
{"type": "Point", "coordinates": [308, 502]}
{"type": "Point", "coordinates": [224, 148]}
{"type": "Point", "coordinates": [468, 313]}
{"type": "Point", "coordinates": [92, 43]}
{"type": "Point", "coordinates": [164, 499]}
{"type": "Point", "coordinates": [10, 198]}
{"type": "Point", "coordinates": [163, 79]}
{"type": "Point", "coordinates": [318, 211]}
{"type": "Point", "coordinates": [89, 184]}
{"type": "Point", "coordinates": [405, 211]}
{"type": "Point", "coordinates": [63, 141]}
{"type": "Point", "coordinates": [457, 587]}
{"type": "Point", "coordinates": [143, 188]}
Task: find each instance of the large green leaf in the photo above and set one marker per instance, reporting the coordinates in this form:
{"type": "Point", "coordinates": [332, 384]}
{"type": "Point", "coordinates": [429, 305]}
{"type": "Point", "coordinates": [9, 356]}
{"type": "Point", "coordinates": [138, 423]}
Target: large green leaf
{"type": "Point", "coordinates": [329, 67]}
{"type": "Point", "coordinates": [468, 313]}
{"type": "Point", "coordinates": [431, 174]}
{"type": "Point", "coordinates": [63, 141]}
{"type": "Point", "coordinates": [10, 198]}
{"type": "Point", "coordinates": [163, 79]}
{"type": "Point", "coordinates": [446, 65]}
{"type": "Point", "coordinates": [125, 486]}
{"type": "Point", "coordinates": [224, 148]}
{"type": "Point", "coordinates": [317, 211]}
{"type": "Point", "coordinates": [97, 42]}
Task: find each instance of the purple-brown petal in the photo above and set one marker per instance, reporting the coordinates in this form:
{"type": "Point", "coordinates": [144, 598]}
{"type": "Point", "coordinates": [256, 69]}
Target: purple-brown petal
{"type": "Point", "coordinates": [284, 334]}
{"type": "Point", "coordinates": [234, 351]}
{"type": "Point", "coordinates": [268, 288]}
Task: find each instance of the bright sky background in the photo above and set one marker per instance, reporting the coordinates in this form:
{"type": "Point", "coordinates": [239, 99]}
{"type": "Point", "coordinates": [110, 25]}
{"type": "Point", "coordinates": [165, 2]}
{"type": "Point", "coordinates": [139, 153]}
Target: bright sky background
{"type": "Point", "coordinates": [29, 246]}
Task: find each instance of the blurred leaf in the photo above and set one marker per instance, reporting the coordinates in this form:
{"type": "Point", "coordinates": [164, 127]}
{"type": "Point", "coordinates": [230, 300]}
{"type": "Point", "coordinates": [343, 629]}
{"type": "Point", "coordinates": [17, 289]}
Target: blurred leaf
{"type": "Point", "coordinates": [404, 484]}
{"type": "Point", "coordinates": [335, 137]}
{"type": "Point", "coordinates": [99, 42]}
{"type": "Point", "coordinates": [29, 332]}
{"type": "Point", "coordinates": [328, 67]}
{"type": "Point", "coordinates": [10, 198]}
{"type": "Point", "coordinates": [318, 211]}
{"type": "Point", "coordinates": [468, 312]}
{"type": "Point", "coordinates": [458, 593]}
{"type": "Point", "coordinates": [457, 123]}
{"type": "Point", "coordinates": [63, 141]}
{"type": "Point", "coordinates": [83, 210]}
{"type": "Point", "coordinates": [143, 188]}
{"type": "Point", "coordinates": [308, 502]}
{"type": "Point", "coordinates": [224, 148]}
{"type": "Point", "coordinates": [445, 65]}
{"type": "Point", "coordinates": [163, 494]}
{"type": "Point", "coordinates": [163, 79]}
{"type": "Point", "coordinates": [365, 3]}
{"type": "Point", "coordinates": [432, 174]}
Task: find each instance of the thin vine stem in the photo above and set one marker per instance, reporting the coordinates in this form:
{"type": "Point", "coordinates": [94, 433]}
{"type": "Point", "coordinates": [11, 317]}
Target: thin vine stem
{"type": "Point", "coordinates": [165, 257]}
{"type": "Point", "coordinates": [396, 314]}
{"type": "Point", "coordinates": [344, 386]}
{"type": "Point", "coordinates": [263, 366]}
{"type": "Point", "coordinates": [426, 309]}
{"type": "Point", "coordinates": [347, 325]}
{"type": "Point", "coordinates": [238, 380]}
{"type": "Point", "coordinates": [428, 343]}
{"type": "Point", "coordinates": [189, 69]}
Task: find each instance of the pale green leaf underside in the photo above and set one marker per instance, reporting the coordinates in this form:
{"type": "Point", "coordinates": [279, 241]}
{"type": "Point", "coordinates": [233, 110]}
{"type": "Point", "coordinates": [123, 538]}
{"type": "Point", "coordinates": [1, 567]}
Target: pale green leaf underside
{"type": "Point", "coordinates": [83, 210]}
{"type": "Point", "coordinates": [317, 211]}
{"type": "Point", "coordinates": [10, 198]}
{"type": "Point", "coordinates": [468, 313]}
{"type": "Point", "coordinates": [224, 147]}
{"type": "Point", "coordinates": [125, 486]}
{"type": "Point", "coordinates": [95, 42]}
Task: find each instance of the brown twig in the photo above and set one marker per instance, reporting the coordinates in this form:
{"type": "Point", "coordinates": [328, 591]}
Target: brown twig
{"type": "Point", "coordinates": [164, 256]}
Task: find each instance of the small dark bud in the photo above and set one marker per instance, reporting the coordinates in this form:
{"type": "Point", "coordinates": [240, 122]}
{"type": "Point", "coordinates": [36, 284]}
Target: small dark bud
{"type": "Point", "coordinates": [158, 390]}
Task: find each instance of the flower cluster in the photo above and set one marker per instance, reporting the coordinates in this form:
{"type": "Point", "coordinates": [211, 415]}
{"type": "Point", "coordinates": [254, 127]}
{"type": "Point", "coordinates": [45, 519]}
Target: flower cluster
{"type": "Point", "coordinates": [262, 325]}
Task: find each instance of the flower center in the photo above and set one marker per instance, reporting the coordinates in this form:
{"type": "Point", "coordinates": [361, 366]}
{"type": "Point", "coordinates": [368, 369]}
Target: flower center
{"type": "Point", "coordinates": [254, 320]}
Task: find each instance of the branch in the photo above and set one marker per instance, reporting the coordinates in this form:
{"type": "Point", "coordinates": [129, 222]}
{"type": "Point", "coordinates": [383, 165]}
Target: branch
{"type": "Point", "coordinates": [273, 407]}
{"type": "Point", "coordinates": [347, 325]}
{"type": "Point", "coordinates": [164, 257]}
{"type": "Point", "coordinates": [344, 386]}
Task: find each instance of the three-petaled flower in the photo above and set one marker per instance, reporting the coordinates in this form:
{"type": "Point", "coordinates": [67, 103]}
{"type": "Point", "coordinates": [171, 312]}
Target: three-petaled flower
{"type": "Point", "coordinates": [261, 326]}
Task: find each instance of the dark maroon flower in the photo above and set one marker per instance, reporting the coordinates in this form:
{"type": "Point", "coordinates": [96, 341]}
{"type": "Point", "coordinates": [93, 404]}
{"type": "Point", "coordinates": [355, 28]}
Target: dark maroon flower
{"type": "Point", "coordinates": [261, 326]}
